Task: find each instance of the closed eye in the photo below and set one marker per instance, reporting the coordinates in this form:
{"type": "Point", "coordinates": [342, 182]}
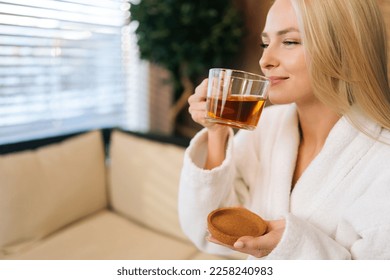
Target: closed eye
{"type": "Point", "coordinates": [264, 46]}
{"type": "Point", "coordinates": [290, 43]}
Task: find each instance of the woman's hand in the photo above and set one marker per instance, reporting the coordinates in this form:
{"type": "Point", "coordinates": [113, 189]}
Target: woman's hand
{"type": "Point", "coordinates": [217, 134]}
{"type": "Point", "coordinates": [258, 246]}
{"type": "Point", "coordinates": [197, 108]}
{"type": "Point", "coordinates": [197, 103]}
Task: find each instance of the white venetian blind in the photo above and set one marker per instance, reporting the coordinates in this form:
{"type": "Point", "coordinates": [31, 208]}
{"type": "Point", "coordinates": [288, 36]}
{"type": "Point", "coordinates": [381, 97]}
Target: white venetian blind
{"type": "Point", "coordinates": [65, 66]}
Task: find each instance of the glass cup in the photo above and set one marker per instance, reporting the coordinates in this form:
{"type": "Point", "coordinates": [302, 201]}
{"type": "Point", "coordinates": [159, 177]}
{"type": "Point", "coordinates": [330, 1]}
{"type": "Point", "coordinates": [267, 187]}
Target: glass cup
{"type": "Point", "coordinates": [235, 98]}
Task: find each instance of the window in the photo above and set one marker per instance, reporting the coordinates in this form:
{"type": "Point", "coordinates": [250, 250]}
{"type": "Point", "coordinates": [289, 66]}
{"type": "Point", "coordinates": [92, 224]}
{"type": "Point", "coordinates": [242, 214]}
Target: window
{"type": "Point", "coordinates": [68, 66]}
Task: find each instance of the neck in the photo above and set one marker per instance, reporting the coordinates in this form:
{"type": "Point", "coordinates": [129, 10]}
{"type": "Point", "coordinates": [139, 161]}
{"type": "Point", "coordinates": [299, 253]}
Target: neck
{"type": "Point", "coordinates": [315, 123]}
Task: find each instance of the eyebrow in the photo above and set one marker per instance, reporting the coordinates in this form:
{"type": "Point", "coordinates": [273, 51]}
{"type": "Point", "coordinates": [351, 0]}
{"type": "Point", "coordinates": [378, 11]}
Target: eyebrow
{"type": "Point", "coordinates": [281, 32]}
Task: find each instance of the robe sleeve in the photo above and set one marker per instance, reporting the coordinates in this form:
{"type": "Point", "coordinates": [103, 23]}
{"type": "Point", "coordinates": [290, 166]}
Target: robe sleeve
{"type": "Point", "coordinates": [302, 240]}
{"type": "Point", "coordinates": [201, 191]}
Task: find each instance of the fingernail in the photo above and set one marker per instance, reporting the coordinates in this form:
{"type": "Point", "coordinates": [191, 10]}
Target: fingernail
{"type": "Point", "coordinates": [239, 245]}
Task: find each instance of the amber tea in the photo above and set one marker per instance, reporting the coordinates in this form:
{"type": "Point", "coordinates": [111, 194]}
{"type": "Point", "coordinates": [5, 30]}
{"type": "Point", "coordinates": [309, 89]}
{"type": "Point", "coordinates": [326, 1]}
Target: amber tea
{"type": "Point", "coordinates": [235, 98]}
{"type": "Point", "coordinates": [238, 111]}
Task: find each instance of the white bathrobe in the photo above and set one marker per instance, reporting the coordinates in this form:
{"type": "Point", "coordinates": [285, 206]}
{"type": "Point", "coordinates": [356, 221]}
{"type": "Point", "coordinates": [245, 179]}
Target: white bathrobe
{"type": "Point", "coordinates": [338, 209]}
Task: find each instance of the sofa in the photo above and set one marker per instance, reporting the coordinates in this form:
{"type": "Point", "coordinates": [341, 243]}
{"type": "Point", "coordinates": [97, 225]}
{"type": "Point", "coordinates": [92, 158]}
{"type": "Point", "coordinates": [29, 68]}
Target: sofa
{"type": "Point", "coordinates": [86, 197]}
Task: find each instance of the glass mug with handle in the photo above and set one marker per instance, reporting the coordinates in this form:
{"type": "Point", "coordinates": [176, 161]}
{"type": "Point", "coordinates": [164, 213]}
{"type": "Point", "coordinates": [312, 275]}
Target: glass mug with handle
{"type": "Point", "coordinates": [235, 98]}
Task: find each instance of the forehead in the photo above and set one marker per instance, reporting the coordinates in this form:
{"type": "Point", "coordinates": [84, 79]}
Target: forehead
{"type": "Point", "coordinates": [281, 16]}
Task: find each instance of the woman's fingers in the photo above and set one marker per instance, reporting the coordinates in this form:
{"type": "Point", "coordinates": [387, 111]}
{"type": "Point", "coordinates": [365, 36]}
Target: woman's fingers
{"type": "Point", "coordinates": [196, 99]}
{"type": "Point", "coordinates": [256, 246]}
{"type": "Point", "coordinates": [199, 106]}
{"type": "Point", "coordinates": [197, 103]}
{"type": "Point", "coordinates": [259, 246]}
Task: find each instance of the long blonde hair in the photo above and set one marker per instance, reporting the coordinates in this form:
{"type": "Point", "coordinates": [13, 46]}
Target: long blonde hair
{"type": "Point", "coordinates": [347, 54]}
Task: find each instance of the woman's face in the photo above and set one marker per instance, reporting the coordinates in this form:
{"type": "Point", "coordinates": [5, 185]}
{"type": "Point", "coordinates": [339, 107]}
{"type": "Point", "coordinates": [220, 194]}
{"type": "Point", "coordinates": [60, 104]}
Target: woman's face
{"type": "Point", "coordinates": [283, 59]}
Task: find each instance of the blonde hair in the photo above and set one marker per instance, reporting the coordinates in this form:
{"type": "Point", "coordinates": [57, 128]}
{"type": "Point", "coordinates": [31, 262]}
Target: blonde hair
{"type": "Point", "coordinates": [347, 55]}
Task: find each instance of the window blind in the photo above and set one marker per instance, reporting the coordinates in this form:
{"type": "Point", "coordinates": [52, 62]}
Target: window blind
{"type": "Point", "coordinates": [65, 66]}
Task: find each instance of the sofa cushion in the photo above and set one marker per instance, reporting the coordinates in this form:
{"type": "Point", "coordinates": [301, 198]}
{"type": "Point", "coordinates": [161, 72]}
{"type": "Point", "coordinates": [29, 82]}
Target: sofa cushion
{"type": "Point", "coordinates": [107, 236]}
{"type": "Point", "coordinates": [45, 189]}
{"type": "Point", "coordinates": [144, 181]}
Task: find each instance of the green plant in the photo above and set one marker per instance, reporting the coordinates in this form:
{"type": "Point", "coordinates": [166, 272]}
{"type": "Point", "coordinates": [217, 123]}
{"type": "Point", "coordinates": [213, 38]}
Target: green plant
{"type": "Point", "coordinates": [187, 37]}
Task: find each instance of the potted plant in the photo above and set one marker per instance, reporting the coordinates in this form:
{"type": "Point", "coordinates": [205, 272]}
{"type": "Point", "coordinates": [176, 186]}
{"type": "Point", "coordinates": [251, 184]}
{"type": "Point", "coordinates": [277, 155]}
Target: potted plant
{"type": "Point", "coordinates": [187, 38]}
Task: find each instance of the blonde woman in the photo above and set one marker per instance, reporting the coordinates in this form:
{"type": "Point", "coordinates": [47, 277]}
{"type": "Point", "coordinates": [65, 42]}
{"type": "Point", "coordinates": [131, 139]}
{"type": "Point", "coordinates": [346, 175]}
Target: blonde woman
{"type": "Point", "coordinates": [317, 166]}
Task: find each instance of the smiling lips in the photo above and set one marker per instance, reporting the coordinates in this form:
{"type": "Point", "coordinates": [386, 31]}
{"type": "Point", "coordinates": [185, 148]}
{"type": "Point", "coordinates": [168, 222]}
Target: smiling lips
{"type": "Point", "coordinates": [276, 80]}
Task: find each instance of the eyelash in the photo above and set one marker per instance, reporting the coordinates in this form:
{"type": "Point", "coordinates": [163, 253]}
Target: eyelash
{"type": "Point", "coordinates": [263, 46]}
{"type": "Point", "coordinates": [287, 43]}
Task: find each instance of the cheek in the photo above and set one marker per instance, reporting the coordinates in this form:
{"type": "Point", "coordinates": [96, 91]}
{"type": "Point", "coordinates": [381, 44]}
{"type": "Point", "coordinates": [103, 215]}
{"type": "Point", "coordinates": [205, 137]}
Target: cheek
{"type": "Point", "coordinates": [296, 64]}
{"type": "Point", "coordinates": [301, 86]}
{"type": "Point", "coordinates": [299, 70]}
{"type": "Point", "coordinates": [305, 82]}
{"type": "Point", "coordinates": [297, 87]}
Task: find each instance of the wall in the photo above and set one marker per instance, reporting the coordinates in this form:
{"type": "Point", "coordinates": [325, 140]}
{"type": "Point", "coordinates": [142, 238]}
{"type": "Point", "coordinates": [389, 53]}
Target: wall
{"type": "Point", "coordinates": [255, 12]}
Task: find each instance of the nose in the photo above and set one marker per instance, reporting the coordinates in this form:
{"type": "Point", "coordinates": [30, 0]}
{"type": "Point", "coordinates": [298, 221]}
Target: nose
{"type": "Point", "coordinates": [268, 59]}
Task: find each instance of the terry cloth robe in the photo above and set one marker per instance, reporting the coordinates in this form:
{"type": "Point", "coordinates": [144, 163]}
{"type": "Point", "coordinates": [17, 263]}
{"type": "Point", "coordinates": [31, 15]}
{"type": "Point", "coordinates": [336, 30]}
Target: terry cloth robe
{"type": "Point", "coordinates": [338, 209]}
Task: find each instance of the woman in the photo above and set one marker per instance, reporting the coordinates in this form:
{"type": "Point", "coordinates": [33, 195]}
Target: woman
{"type": "Point", "coordinates": [316, 168]}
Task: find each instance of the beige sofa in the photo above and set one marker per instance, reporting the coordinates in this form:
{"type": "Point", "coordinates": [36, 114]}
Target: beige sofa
{"type": "Point", "coordinates": [70, 201]}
